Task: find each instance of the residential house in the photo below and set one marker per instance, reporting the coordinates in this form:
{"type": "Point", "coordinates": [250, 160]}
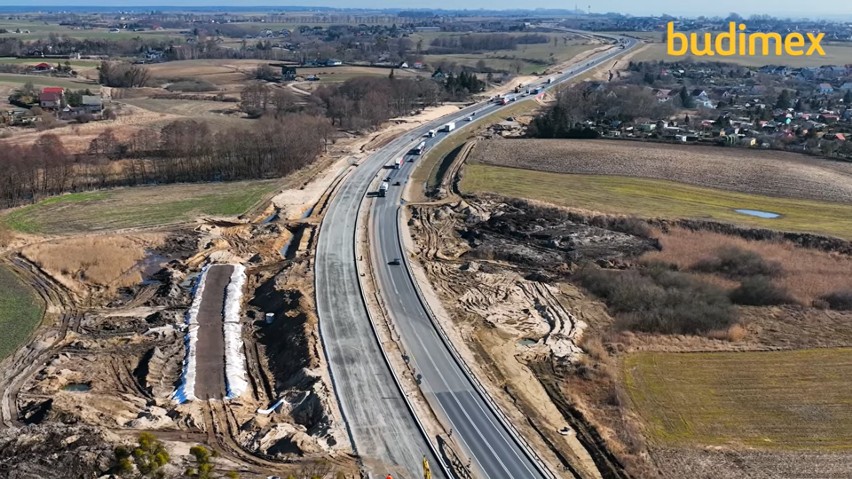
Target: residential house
{"type": "Point", "coordinates": [43, 67]}
{"type": "Point", "coordinates": [825, 89]}
{"type": "Point", "coordinates": [699, 95]}
{"type": "Point", "coordinates": [663, 94]}
{"type": "Point", "coordinates": [50, 100]}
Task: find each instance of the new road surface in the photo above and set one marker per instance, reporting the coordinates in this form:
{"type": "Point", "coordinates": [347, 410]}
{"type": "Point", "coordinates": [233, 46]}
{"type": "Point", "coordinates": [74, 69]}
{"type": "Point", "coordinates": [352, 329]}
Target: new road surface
{"type": "Point", "coordinates": [381, 426]}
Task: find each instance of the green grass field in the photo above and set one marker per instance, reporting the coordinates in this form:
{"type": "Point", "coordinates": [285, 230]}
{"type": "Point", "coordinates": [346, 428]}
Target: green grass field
{"type": "Point", "coordinates": [546, 52]}
{"type": "Point", "coordinates": [43, 81]}
{"type": "Point", "coordinates": [428, 167]}
{"type": "Point", "coordinates": [836, 54]}
{"type": "Point", "coordinates": [788, 400]}
{"type": "Point", "coordinates": [658, 198]}
{"type": "Point", "coordinates": [144, 206]}
{"type": "Point", "coordinates": [21, 311]}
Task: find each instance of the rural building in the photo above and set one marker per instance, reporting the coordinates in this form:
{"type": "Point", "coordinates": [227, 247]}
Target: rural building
{"type": "Point", "coordinates": [92, 104]}
{"type": "Point", "coordinates": [825, 89]}
{"type": "Point", "coordinates": [50, 100]}
{"type": "Point", "coordinates": [43, 67]}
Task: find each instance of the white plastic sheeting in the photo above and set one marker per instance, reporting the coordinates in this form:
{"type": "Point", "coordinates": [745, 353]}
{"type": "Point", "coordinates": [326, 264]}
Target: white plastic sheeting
{"type": "Point", "coordinates": [186, 391]}
{"type": "Point", "coordinates": [236, 378]}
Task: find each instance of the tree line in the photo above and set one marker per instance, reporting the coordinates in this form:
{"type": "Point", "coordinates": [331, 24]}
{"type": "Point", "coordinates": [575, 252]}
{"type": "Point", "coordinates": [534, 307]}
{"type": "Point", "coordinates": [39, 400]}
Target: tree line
{"type": "Point", "coordinates": [366, 102]}
{"type": "Point", "coordinates": [478, 43]}
{"type": "Point", "coordinates": [574, 107]}
{"type": "Point", "coordinates": [181, 151]}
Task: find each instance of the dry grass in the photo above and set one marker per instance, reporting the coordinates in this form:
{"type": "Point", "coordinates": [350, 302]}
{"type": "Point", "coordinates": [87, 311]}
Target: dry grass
{"type": "Point", "coordinates": [807, 273]}
{"type": "Point", "coordinates": [100, 261]}
{"type": "Point", "coordinates": [761, 172]}
{"type": "Point", "coordinates": [789, 400]}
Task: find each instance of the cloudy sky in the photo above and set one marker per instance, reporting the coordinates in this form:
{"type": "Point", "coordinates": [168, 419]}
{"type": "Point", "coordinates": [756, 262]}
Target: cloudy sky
{"type": "Point", "coordinates": [781, 8]}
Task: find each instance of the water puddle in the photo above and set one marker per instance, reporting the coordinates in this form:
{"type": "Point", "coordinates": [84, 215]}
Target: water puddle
{"type": "Point", "coordinates": [759, 214]}
{"type": "Point", "coordinates": [77, 387]}
{"type": "Point", "coordinates": [527, 343]}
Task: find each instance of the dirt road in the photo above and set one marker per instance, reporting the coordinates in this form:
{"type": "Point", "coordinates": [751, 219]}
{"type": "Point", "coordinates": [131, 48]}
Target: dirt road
{"type": "Point", "coordinates": [210, 358]}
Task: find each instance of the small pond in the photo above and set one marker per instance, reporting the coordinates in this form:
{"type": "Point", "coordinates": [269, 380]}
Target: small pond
{"type": "Point", "coordinates": [527, 342]}
{"type": "Point", "coordinates": [77, 387]}
{"type": "Point", "coordinates": [759, 214]}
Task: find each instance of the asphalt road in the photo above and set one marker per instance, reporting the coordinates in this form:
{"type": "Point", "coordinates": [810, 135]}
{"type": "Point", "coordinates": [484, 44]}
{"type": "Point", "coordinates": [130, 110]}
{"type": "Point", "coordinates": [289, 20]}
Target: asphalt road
{"type": "Point", "coordinates": [210, 346]}
{"type": "Point", "coordinates": [381, 426]}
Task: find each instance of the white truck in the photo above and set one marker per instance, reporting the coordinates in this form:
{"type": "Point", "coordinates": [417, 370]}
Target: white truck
{"type": "Point", "coordinates": [431, 134]}
{"type": "Point", "coordinates": [383, 189]}
{"type": "Point", "coordinates": [397, 164]}
{"type": "Point", "coordinates": [449, 127]}
{"type": "Point", "coordinates": [550, 80]}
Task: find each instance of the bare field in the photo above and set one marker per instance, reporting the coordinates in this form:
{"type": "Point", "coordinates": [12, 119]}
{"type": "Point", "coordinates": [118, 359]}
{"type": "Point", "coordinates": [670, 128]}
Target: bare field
{"type": "Point", "coordinates": [807, 273]}
{"type": "Point", "coordinates": [771, 173]}
{"type": "Point", "coordinates": [191, 108]}
{"type": "Point", "coordinates": [789, 400]}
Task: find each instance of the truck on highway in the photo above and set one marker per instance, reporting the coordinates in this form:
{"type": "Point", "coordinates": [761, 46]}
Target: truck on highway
{"type": "Point", "coordinates": [419, 149]}
{"type": "Point", "coordinates": [449, 127]}
{"type": "Point", "coordinates": [397, 164]}
{"type": "Point", "coordinates": [383, 189]}
{"type": "Point", "coordinates": [431, 134]}
{"type": "Point", "coordinates": [549, 81]}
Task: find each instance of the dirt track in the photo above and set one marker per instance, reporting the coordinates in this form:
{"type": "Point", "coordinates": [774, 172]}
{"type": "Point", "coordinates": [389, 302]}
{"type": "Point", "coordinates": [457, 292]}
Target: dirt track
{"type": "Point", "coordinates": [210, 359]}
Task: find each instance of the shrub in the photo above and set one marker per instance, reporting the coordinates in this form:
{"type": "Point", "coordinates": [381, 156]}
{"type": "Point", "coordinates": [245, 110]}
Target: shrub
{"type": "Point", "coordinates": [658, 300]}
{"type": "Point", "coordinates": [632, 226]}
{"type": "Point", "coordinates": [737, 263]}
{"type": "Point", "coordinates": [189, 85]}
{"type": "Point", "coordinates": [760, 291]}
{"type": "Point", "coordinates": [839, 300]}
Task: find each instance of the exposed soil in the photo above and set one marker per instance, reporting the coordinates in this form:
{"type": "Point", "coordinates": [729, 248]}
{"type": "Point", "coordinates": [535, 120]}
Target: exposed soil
{"type": "Point", "coordinates": [503, 267]}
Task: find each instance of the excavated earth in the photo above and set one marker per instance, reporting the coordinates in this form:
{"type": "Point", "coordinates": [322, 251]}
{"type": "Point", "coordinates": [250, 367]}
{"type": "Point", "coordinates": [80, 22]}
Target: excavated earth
{"type": "Point", "coordinates": [100, 375]}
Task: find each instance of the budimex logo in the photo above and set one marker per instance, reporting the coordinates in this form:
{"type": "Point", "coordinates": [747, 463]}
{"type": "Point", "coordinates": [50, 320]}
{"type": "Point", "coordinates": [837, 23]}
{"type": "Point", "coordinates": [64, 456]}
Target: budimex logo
{"type": "Point", "coordinates": [737, 42]}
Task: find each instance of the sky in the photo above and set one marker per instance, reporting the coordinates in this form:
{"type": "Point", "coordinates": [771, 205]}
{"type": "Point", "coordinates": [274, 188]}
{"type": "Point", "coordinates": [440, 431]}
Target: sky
{"type": "Point", "coordinates": [778, 8]}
